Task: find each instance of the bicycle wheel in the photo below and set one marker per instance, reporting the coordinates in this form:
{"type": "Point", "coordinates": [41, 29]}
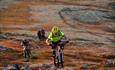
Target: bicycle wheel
{"type": "Point", "coordinates": [61, 58]}
{"type": "Point", "coordinates": [54, 57]}
{"type": "Point", "coordinates": [25, 54]}
{"type": "Point", "coordinates": [58, 62]}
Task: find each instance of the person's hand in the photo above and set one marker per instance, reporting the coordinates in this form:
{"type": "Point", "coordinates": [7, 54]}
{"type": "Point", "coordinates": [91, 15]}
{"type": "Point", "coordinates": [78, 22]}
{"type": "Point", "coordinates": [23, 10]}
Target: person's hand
{"type": "Point", "coordinates": [49, 44]}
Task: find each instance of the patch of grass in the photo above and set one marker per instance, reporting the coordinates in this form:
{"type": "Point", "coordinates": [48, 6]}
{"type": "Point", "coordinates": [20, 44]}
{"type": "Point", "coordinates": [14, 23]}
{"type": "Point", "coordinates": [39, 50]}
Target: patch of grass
{"type": "Point", "coordinates": [34, 57]}
{"type": "Point", "coordinates": [109, 65]}
{"type": "Point", "coordinates": [12, 50]}
{"type": "Point", "coordinates": [110, 57]}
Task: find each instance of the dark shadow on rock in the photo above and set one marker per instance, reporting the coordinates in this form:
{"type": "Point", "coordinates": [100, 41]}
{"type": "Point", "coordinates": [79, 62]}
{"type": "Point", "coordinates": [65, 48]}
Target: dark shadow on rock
{"type": "Point", "coordinates": [71, 16]}
{"type": "Point", "coordinates": [112, 5]}
{"type": "Point", "coordinates": [3, 36]}
{"type": "Point", "coordinates": [110, 15]}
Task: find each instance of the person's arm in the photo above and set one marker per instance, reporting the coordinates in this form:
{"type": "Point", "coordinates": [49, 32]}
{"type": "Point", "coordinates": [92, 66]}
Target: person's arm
{"type": "Point", "coordinates": [48, 42]}
{"type": "Point", "coordinates": [62, 35]}
{"type": "Point", "coordinates": [64, 40]}
{"type": "Point", "coordinates": [22, 45]}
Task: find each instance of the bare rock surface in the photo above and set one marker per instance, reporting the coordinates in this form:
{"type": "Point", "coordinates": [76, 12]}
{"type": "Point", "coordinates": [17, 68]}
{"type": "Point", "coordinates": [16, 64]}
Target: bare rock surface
{"type": "Point", "coordinates": [89, 24]}
{"type": "Point", "coordinates": [4, 4]}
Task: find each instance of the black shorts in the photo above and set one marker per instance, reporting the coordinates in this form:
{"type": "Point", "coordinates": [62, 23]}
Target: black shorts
{"type": "Point", "coordinates": [54, 44]}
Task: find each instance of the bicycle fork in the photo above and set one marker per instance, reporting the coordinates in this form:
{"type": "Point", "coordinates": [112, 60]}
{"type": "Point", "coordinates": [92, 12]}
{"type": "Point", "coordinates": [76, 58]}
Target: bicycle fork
{"type": "Point", "coordinates": [60, 57]}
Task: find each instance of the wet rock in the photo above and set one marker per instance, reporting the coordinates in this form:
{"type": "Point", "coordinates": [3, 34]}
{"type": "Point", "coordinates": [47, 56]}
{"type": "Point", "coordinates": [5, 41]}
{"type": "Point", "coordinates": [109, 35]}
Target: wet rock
{"type": "Point", "coordinates": [18, 34]}
{"type": "Point", "coordinates": [93, 38]}
{"type": "Point", "coordinates": [53, 68]}
{"type": "Point", "coordinates": [26, 68]}
{"type": "Point", "coordinates": [13, 67]}
{"type": "Point", "coordinates": [112, 5]}
{"type": "Point", "coordinates": [86, 15]}
{"type": "Point", "coordinates": [43, 67]}
{"type": "Point", "coordinates": [10, 67]}
{"type": "Point", "coordinates": [3, 36]}
{"type": "Point", "coordinates": [2, 48]}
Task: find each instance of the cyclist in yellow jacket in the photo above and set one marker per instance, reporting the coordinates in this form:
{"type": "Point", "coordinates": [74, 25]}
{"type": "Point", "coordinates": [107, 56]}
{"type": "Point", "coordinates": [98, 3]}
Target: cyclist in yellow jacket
{"type": "Point", "coordinates": [56, 37]}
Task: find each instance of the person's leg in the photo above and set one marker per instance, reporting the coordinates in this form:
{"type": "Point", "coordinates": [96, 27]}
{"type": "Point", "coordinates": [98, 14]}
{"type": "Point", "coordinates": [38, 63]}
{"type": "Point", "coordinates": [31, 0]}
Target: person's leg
{"type": "Point", "coordinates": [28, 53]}
{"type": "Point", "coordinates": [39, 37]}
{"type": "Point", "coordinates": [62, 46]}
{"type": "Point", "coordinates": [25, 56]}
{"type": "Point", "coordinates": [54, 48]}
{"type": "Point", "coordinates": [43, 37]}
{"type": "Point", "coordinates": [54, 53]}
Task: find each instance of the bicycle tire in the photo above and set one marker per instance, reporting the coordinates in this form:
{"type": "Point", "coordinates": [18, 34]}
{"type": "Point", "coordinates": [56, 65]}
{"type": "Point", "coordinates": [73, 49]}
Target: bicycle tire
{"type": "Point", "coordinates": [58, 59]}
{"type": "Point", "coordinates": [58, 63]}
{"type": "Point", "coordinates": [61, 58]}
{"type": "Point", "coordinates": [55, 60]}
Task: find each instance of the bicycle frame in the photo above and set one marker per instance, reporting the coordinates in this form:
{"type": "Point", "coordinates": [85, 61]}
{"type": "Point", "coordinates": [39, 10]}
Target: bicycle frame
{"type": "Point", "coordinates": [27, 53]}
{"type": "Point", "coordinates": [59, 57]}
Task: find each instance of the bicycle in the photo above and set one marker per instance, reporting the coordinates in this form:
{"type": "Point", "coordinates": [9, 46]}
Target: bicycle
{"type": "Point", "coordinates": [59, 57]}
{"type": "Point", "coordinates": [27, 53]}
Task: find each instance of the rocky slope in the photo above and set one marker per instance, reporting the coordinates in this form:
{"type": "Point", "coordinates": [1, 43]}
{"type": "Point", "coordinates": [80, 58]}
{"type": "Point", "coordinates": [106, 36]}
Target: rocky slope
{"type": "Point", "coordinates": [89, 24]}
